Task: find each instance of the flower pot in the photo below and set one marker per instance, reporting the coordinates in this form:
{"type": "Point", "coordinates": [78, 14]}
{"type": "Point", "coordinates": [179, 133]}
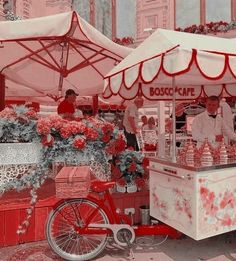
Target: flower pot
{"type": "Point", "coordinates": [131, 188]}
{"type": "Point", "coordinates": [121, 189]}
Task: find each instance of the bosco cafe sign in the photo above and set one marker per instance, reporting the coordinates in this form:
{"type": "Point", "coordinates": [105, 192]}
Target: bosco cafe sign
{"type": "Point", "coordinates": [166, 93]}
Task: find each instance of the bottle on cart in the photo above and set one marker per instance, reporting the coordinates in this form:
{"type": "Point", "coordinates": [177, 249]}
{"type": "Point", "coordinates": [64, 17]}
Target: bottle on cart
{"type": "Point", "coordinates": [190, 153]}
{"type": "Point", "coordinates": [206, 157]}
{"type": "Point", "coordinates": [223, 153]}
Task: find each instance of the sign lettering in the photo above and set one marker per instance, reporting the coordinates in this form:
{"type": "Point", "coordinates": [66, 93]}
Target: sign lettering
{"type": "Point", "coordinates": [168, 91]}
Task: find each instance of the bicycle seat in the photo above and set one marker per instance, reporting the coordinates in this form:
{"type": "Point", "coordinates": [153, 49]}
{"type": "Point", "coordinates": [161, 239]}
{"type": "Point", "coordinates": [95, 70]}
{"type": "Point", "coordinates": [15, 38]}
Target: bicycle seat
{"type": "Point", "coordinates": [101, 186]}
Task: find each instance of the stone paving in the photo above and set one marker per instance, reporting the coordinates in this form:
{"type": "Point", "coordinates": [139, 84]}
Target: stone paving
{"type": "Point", "coordinates": [219, 248]}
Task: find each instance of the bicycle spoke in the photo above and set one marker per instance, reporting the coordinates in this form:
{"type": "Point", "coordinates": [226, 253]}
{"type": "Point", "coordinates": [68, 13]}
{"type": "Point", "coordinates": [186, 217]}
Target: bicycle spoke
{"type": "Point", "coordinates": [62, 232]}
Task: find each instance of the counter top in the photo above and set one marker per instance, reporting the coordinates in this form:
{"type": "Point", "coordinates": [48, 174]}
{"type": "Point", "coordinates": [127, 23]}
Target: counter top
{"type": "Point", "coordinates": [196, 166]}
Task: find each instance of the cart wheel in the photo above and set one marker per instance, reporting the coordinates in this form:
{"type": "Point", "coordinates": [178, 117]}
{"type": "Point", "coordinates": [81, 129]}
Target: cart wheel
{"type": "Point", "coordinates": [63, 237]}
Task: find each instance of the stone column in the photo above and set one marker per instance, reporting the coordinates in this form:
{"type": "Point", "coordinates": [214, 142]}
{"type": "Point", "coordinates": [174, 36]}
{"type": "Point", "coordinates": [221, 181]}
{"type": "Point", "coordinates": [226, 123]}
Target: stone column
{"type": "Point", "coordinates": [233, 10]}
{"type": "Point", "coordinates": [203, 12]}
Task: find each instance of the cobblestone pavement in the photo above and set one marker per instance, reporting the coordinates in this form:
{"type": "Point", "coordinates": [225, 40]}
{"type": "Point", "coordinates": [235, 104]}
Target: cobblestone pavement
{"type": "Point", "coordinates": [219, 248]}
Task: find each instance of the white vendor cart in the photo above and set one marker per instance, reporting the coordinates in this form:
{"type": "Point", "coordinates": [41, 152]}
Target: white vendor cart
{"type": "Point", "coordinates": [198, 201]}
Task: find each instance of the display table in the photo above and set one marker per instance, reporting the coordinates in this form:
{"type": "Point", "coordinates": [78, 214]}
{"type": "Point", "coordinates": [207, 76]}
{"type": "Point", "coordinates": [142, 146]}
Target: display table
{"type": "Point", "coordinates": [198, 201]}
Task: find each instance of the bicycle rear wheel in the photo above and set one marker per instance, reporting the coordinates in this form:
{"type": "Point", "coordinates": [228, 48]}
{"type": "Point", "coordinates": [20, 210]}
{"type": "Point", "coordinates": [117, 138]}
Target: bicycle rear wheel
{"type": "Point", "coordinates": [63, 237]}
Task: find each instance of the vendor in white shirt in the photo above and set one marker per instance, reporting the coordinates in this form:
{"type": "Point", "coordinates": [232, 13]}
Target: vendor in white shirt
{"type": "Point", "coordinates": [210, 125]}
{"type": "Point", "coordinates": [130, 122]}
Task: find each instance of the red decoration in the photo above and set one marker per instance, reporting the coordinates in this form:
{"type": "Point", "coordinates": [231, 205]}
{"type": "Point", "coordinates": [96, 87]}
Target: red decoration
{"type": "Point", "coordinates": [124, 41]}
{"type": "Point", "coordinates": [46, 142]}
{"type": "Point", "coordinates": [79, 143]}
{"type": "Point", "coordinates": [212, 27]}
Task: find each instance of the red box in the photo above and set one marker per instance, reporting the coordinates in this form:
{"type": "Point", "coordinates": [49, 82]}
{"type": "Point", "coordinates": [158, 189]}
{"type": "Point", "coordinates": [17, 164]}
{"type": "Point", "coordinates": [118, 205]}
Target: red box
{"type": "Point", "coordinates": [73, 182]}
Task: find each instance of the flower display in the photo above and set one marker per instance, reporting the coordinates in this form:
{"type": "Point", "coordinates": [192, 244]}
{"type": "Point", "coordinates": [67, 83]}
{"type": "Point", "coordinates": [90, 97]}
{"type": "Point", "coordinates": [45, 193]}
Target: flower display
{"type": "Point", "coordinates": [124, 41]}
{"type": "Point", "coordinates": [87, 142]}
{"type": "Point", "coordinates": [131, 167]}
{"type": "Point", "coordinates": [18, 124]}
{"type": "Point", "coordinates": [9, 15]}
{"type": "Point", "coordinates": [208, 28]}
{"type": "Point", "coordinates": [80, 135]}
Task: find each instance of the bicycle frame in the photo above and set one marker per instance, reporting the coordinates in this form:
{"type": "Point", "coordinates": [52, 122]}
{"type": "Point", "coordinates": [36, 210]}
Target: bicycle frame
{"type": "Point", "coordinates": [116, 219]}
{"type": "Point", "coordinates": [109, 209]}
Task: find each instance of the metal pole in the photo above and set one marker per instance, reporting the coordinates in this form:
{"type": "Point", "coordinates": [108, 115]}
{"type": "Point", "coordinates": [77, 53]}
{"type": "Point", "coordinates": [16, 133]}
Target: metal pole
{"type": "Point", "coordinates": [2, 92]}
{"type": "Point", "coordinates": [161, 129]}
{"type": "Point", "coordinates": [173, 122]}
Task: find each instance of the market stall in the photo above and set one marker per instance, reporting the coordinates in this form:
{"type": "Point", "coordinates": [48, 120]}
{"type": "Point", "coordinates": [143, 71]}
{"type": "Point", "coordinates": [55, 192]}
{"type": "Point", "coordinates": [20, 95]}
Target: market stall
{"type": "Point", "coordinates": [196, 200]}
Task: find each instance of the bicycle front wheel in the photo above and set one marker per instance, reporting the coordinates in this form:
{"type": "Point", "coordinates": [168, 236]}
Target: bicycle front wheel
{"type": "Point", "coordinates": [63, 237]}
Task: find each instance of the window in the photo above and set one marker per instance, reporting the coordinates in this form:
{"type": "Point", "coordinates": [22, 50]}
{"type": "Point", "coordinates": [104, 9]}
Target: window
{"type": "Point", "coordinates": [187, 13]}
{"type": "Point", "coordinates": [218, 10]}
{"type": "Point", "coordinates": [82, 7]}
{"type": "Point", "coordinates": [103, 16]}
{"type": "Point", "coordinates": [125, 18]}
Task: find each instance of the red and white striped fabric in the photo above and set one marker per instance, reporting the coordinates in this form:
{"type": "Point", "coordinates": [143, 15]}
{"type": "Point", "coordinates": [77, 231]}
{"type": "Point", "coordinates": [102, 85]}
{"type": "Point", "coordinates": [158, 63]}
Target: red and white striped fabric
{"type": "Point", "coordinates": [199, 64]}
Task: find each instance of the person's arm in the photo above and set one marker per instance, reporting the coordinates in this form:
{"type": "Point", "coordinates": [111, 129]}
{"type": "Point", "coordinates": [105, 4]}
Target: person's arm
{"type": "Point", "coordinates": [132, 119]}
{"type": "Point", "coordinates": [132, 123]}
{"type": "Point", "coordinates": [227, 131]}
{"type": "Point", "coordinates": [67, 116]}
{"type": "Point", "coordinates": [78, 114]}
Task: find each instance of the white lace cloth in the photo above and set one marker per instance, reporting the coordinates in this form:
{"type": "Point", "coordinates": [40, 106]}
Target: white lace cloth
{"type": "Point", "coordinates": [19, 153]}
{"type": "Point", "coordinates": [17, 159]}
{"type": "Point", "coordinates": [10, 173]}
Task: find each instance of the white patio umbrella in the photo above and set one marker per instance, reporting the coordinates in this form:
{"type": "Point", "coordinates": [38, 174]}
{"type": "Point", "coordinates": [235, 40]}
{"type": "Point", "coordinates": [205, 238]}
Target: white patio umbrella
{"type": "Point", "coordinates": [47, 55]}
{"type": "Point", "coordinates": [168, 60]}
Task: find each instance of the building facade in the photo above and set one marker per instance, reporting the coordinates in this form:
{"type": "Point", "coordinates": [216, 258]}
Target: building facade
{"type": "Point", "coordinates": [129, 18]}
{"type": "Point", "coordinates": [172, 14]}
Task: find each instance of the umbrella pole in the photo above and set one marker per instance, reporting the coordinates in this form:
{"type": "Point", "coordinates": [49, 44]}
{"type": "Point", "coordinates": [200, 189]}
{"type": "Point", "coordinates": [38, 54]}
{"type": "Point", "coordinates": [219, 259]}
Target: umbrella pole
{"type": "Point", "coordinates": [60, 85]}
{"type": "Point", "coordinates": [95, 104]}
{"type": "Point", "coordinates": [173, 122]}
{"type": "Point", "coordinates": [2, 92]}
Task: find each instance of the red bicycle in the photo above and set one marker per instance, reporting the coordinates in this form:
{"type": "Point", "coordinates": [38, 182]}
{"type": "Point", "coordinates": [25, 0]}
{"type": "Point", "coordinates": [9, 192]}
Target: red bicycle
{"type": "Point", "coordinates": [78, 229]}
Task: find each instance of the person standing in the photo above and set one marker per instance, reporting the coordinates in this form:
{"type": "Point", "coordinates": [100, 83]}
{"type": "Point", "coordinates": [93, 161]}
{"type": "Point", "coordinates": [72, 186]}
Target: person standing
{"type": "Point", "coordinates": [144, 121]}
{"type": "Point", "coordinates": [180, 119]}
{"type": "Point", "coordinates": [150, 136]}
{"type": "Point", "coordinates": [67, 108]}
{"type": "Point", "coordinates": [130, 122]}
{"type": "Point", "coordinates": [210, 125]}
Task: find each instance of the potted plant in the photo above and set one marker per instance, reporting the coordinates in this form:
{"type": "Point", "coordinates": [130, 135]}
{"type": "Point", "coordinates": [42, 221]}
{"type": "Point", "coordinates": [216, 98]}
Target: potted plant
{"type": "Point", "coordinates": [130, 170]}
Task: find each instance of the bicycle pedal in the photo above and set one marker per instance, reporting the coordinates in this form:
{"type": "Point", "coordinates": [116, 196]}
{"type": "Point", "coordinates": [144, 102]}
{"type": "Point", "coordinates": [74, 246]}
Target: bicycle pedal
{"type": "Point", "coordinates": [154, 222]}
